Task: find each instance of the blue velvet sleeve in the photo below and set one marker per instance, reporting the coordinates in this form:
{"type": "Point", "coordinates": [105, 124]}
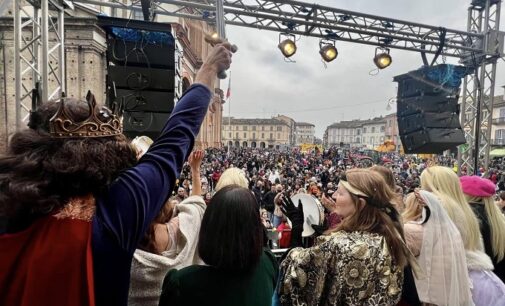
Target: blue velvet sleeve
{"type": "Point", "coordinates": [138, 194]}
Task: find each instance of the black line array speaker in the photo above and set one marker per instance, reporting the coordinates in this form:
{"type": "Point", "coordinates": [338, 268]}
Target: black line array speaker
{"type": "Point", "coordinates": [143, 73]}
{"type": "Point", "coordinates": [428, 111]}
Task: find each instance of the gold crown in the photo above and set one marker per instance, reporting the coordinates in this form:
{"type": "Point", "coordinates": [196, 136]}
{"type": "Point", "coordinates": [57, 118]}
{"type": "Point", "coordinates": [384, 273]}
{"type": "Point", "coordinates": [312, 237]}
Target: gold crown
{"type": "Point", "coordinates": [62, 126]}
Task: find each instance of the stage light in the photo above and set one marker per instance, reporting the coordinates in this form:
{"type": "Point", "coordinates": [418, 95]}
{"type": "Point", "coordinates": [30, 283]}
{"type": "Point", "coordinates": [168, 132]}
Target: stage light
{"type": "Point", "coordinates": [382, 59]}
{"type": "Point", "coordinates": [212, 38]}
{"type": "Point", "coordinates": [287, 46]}
{"type": "Point", "coordinates": [214, 35]}
{"type": "Point", "coordinates": [328, 50]}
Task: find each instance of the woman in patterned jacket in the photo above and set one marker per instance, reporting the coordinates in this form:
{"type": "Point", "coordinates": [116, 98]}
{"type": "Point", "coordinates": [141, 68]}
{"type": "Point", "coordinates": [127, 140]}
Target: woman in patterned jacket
{"type": "Point", "coordinates": [361, 261]}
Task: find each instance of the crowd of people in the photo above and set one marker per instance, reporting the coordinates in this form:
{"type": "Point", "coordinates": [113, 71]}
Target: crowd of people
{"type": "Point", "coordinates": [89, 220]}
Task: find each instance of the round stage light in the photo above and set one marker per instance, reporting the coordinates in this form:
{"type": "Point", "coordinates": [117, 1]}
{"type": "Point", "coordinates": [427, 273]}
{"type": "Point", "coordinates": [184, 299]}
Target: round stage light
{"type": "Point", "coordinates": [287, 47]}
{"type": "Point", "coordinates": [328, 52]}
{"type": "Point", "coordinates": [214, 35]}
{"type": "Point", "coordinates": [382, 59]}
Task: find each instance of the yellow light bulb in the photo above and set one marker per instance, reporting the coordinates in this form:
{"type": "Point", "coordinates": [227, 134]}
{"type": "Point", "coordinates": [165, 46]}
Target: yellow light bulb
{"type": "Point", "coordinates": [328, 52]}
{"type": "Point", "coordinates": [385, 61]}
{"type": "Point", "coordinates": [287, 47]}
{"type": "Point", "coordinates": [382, 60]}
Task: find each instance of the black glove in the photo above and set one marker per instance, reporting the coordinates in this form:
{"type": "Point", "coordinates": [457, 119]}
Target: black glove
{"type": "Point", "coordinates": [295, 215]}
{"type": "Point", "coordinates": [320, 229]}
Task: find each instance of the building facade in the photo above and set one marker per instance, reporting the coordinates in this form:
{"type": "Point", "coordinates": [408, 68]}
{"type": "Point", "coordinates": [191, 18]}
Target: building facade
{"type": "Point", "coordinates": [392, 132]}
{"type": "Point", "coordinates": [361, 133]}
{"type": "Point", "coordinates": [304, 133]}
{"type": "Point", "coordinates": [85, 63]}
{"type": "Point", "coordinates": [373, 132]}
{"type": "Point", "coordinates": [292, 127]}
{"type": "Point", "coordinates": [344, 133]}
{"type": "Point", "coordinates": [498, 123]}
{"type": "Point", "coordinates": [255, 133]}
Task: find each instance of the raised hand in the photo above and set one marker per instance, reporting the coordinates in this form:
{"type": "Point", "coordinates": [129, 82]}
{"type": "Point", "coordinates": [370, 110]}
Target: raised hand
{"type": "Point", "coordinates": [195, 159]}
{"type": "Point", "coordinates": [328, 203]}
{"type": "Point", "coordinates": [219, 59]}
{"type": "Point", "coordinates": [293, 213]}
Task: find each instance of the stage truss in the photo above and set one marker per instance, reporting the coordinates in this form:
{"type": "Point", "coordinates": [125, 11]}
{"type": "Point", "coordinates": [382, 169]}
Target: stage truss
{"type": "Point", "coordinates": [479, 47]}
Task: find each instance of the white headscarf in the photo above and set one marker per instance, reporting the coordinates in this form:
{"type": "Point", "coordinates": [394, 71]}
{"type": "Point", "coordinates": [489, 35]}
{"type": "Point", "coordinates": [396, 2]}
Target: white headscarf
{"type": "Point", "coordinates": [445, 280]}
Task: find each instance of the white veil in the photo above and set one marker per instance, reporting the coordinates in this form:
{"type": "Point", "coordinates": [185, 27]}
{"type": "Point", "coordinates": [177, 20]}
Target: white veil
{"type": "Point", "coordinates": [445, 280]}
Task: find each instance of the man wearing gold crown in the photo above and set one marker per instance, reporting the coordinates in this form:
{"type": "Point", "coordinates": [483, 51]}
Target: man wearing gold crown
{"type": "Point", "coordinates": [77, 205]}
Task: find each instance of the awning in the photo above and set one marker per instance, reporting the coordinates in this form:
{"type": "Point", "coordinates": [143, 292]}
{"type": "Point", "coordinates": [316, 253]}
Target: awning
{"type": "Point", "coordinates": [497, 152]}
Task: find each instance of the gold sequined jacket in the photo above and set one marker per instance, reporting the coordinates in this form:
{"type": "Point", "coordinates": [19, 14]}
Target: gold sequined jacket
{"type": "Point", "coordinates": [341, 269]}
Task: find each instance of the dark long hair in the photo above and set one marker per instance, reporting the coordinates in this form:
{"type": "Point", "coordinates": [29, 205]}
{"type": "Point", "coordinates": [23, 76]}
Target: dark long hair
{"type": "Point", "coordinates": [231, 235]}
{"type": "Point", "coordinates": [39, 173]}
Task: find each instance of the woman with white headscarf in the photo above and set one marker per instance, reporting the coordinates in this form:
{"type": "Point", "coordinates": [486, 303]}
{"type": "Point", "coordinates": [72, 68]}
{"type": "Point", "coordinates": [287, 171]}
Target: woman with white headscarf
{"type": "Point", "coordinates": [435, 241]}
{"type": "Point", "coordinates": [487, 288]}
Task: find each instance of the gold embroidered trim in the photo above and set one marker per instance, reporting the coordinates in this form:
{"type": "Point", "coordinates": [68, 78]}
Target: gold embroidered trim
{"type": "Point", "coordinates": [81, 208]}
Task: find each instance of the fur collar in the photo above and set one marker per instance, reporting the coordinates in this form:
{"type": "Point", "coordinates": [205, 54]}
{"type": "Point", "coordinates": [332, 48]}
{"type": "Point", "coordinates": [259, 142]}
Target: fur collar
{"type": "Point", "coordinates": [478, 260]}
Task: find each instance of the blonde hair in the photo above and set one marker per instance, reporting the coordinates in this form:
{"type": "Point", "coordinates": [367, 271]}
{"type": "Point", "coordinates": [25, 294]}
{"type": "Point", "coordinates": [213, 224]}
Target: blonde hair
{"type": "Point", "coordinates": [496, 222]}
{"type": "Point", "coordinates": [376, 214]}
{"type": "Point", "coordinates": [413, 208]}
{"type": "Point", "coordinates": [232, 176]}
{"type": "Point", "coordinates": [444, 183]}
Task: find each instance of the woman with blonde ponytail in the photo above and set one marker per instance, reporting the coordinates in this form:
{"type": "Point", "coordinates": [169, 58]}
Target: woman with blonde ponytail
{"type": "Point", "coordinates": [487, 289]}
{"type": "Point", "coordinates": [479, 193]}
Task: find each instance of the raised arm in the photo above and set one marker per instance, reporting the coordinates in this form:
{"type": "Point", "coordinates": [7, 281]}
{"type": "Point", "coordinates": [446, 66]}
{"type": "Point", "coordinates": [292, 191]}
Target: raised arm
{"type": "Point", "coordinates": [135, 198]}
{"type": "Point", "coordinates": [195, 161]}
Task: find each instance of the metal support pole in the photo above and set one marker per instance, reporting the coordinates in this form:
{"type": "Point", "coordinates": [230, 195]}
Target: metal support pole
{"type": "Point", "coordinates": [220, 19]}
{"type": "Point", "coordinates": [36, 45]}
{"type": "Point", "coordinates": [477, 125]}
{"type": "Point", "coordinates": [61, 51]}
{"type": "Point", "coordinates": [44, 54]}
{"type": "Point", "coordinates": [221, 31]}
{"type": "Point", "coordinates": [17, 62]}
{"type": "Point", "coordinates": [489, 120]}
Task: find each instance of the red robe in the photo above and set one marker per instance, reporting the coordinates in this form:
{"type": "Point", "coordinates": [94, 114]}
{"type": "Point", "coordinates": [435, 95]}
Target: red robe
{"type": "Point", "coordinates": [50, 263]}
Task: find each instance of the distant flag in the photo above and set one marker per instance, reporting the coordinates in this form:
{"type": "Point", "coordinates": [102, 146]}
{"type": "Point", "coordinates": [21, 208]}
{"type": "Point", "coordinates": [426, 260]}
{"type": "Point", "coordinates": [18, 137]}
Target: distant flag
{"type": "Point", "coordinates": [228, 92]}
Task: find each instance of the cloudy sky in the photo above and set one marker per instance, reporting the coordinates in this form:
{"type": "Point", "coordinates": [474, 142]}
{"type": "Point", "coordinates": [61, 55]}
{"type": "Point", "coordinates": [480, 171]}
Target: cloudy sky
{"type": "Point", "coordinates": [264, 85]}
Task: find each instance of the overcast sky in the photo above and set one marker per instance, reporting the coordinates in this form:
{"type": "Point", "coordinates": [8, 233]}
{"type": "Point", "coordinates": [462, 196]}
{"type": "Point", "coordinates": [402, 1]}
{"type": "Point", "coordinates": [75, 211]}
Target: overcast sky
{"type": "Point", "coordinates": [264, 85]}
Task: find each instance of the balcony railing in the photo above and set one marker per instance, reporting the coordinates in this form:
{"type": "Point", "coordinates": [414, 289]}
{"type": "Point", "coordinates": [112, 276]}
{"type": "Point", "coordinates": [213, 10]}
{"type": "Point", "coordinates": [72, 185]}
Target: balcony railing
{"type": "Point", "coordinates": [500, 120]}
{"type": "Point", "coordinates": [498, 142]}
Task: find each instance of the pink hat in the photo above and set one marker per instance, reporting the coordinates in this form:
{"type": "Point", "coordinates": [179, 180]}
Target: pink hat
{"type": "Point", "coordinates": [477, 186]}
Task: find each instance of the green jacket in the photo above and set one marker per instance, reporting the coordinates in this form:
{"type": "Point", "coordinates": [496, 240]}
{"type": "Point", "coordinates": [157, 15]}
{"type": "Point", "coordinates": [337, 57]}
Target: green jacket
{"type": "Point", "coordinates": [205, 285]}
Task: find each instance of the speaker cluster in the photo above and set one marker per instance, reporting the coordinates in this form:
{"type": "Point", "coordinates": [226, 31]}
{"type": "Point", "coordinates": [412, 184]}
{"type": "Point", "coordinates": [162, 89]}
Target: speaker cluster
{"type": "Point", "coordinates": [428, 110]}
{"type": "Point", "coordinates": [143, 73]}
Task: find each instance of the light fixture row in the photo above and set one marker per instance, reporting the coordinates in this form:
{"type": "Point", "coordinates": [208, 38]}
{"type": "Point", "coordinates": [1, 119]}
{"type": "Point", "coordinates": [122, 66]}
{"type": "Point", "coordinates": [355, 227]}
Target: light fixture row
{"type": "Point", "coordinates": [329, 52]}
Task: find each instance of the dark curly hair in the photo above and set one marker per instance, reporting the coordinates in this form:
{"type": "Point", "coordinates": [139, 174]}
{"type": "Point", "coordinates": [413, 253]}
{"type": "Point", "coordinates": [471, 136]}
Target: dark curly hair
{"type": "Point", "coordinates": [39, 173]}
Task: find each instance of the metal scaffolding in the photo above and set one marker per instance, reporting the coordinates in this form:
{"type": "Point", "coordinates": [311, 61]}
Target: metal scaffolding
{"type": "Point", "coordinates": [479, 47]}
{"type": "Point", "coordinates": [39, 50]}
{"type": "Point", "coordinates": [478, 88]}
{"type": "Point", "coordinates": [314, 20]}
